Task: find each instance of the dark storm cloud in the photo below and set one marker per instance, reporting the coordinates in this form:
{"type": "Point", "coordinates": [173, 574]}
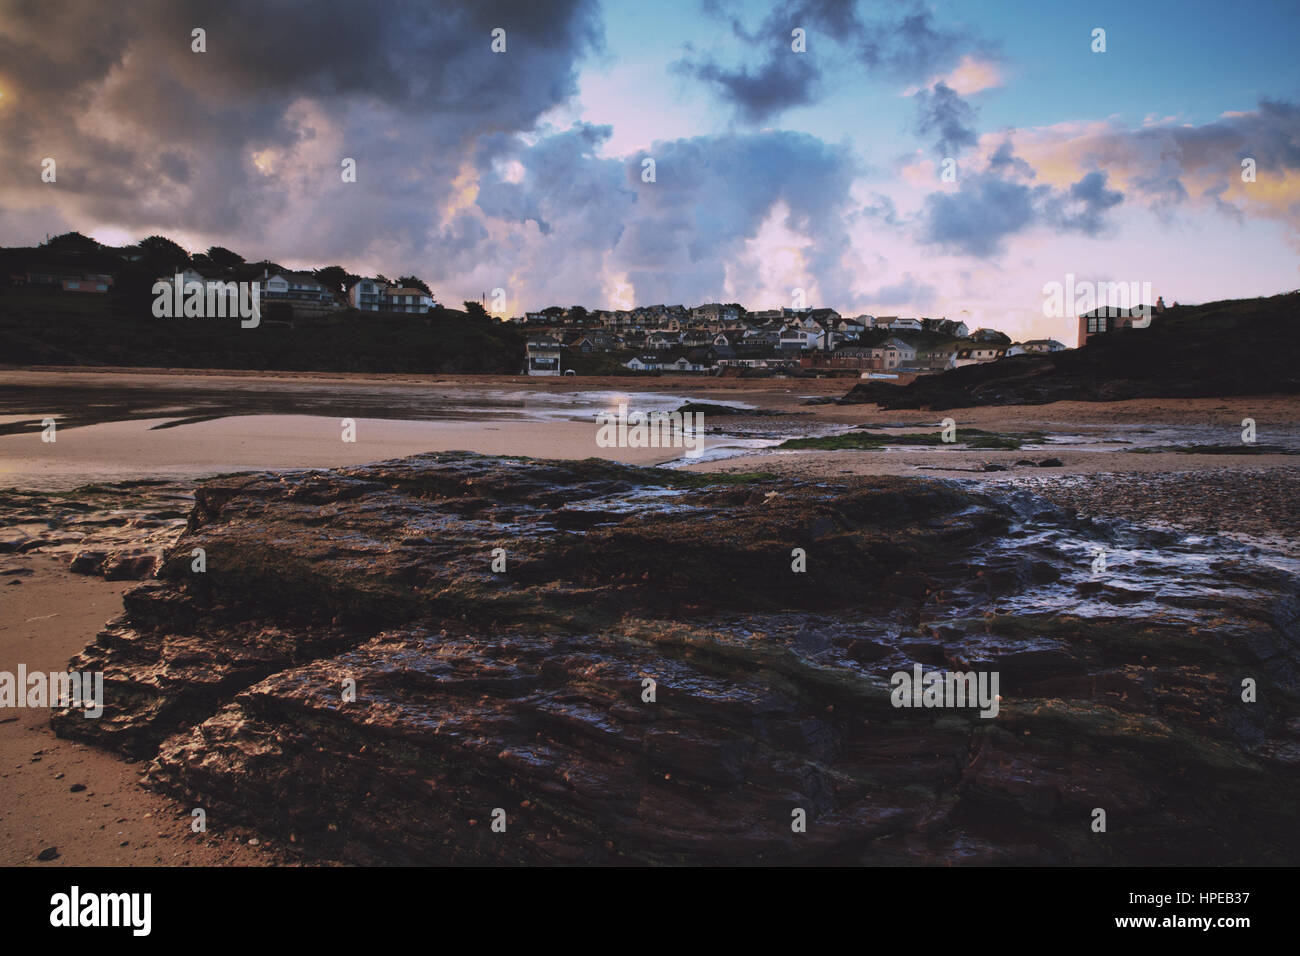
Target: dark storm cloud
{"type": "Point", "coordinates": [456, 180]}
{"type": "Point", "coordinates": [151, 135]}
{"type": "Point", "coordinates": [904, 46]}
{"type": "Point", "coordinates": [943, 114]}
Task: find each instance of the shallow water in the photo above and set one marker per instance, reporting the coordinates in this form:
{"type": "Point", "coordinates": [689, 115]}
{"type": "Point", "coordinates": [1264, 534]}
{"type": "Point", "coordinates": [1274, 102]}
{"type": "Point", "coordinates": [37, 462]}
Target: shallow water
{"type": "Point", "coordinates": [114, 431]}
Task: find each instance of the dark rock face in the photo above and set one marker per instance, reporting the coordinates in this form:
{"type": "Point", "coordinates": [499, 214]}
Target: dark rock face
{"type": "Point", "coordinates": [525, 691]}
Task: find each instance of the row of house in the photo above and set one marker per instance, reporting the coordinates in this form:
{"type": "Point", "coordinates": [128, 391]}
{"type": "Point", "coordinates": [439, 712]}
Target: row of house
{"type": "Point", "coordinates": [304, 291]}
{"type": "Point", "coordinates": [732, 317]}
{"type": "Point", "coordinates": [65, 279]}
{"type": "Point", "coordinates": [788, 335]}
{"type": "Point", "coordinates": [714, 336]}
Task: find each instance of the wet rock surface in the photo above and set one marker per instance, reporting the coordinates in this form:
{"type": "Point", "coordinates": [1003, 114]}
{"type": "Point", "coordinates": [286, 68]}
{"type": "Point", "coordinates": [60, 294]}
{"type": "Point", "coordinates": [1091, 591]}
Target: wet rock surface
{"type": "Point", "coordinates": [117, 531]}
{"type": "Point", "coordinates": [526, 690]}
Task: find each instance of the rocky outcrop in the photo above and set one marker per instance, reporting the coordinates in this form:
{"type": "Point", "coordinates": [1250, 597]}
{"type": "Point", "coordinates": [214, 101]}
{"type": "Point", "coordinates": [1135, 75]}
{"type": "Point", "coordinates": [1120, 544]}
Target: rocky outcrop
{"type": "Point", "coordinates": [649, 679]}
{"type": "Point", "coordinates": [1220, 349]}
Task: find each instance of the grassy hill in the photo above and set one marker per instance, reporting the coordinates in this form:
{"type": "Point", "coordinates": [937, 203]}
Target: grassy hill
{"type": "Point", "coordinates": [49, 328]}
{"type": "Point", "coordinates": [1232, 347]}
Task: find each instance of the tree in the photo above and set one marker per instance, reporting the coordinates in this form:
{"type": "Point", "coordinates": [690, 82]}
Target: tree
{"type": "Point", "coordinates": [475, 310]}
{"type": "Point", "coordinates": [414, 282]}
{"type": "Point", "coordinates": [578, 314]}
{"type": "Point", "coordinates": [553, 311]}
{"type": "Point", "coordinates": [336, 278]}
{"type": "Point", "coordinates": [72, 242]}
{"type": "Point", "coordinates": [223, 258]}
{"type": "Point", "coordinates": [163, 255]}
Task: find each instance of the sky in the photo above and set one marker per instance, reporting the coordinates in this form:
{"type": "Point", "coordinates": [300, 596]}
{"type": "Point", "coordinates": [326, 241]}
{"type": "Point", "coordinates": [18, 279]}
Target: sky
{"type": "Point", "coordinates": [787, 167]}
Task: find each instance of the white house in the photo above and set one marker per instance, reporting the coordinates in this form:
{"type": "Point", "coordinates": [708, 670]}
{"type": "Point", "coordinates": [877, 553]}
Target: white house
{"type": "Point", "coordinates": [409, 300]}
{"type": "Point", "coordinates": [905, 325]}
{"type": "Point", "coordinates": [684, 364]}
{"type": "Point", "coordinates": [294, 287]}
{"type": "Point", "coordinates": [373, 295]}
{"type": "Point", "coordinates": [544, 356]}
{"type": "Point", "coordinates": [642, 363]}
{"type": "Point", "coordinates": [794, 339]}
{"type": "Point", "coordinates": [975, 356]}
{"type": "Point", "coordinates": [715, 312]}
{"type": "Point", "coordinates": [1036, 346]}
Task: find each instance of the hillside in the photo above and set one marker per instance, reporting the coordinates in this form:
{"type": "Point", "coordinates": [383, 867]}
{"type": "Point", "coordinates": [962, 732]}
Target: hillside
{"type": "Point", "coordinates": [42, 328]}
{"type": "Point", "coordinates": [1232, 347]}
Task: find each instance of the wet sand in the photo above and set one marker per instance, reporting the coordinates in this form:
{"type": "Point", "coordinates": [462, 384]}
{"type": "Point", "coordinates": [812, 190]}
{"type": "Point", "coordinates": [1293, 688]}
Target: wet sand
{"type": "Point", "coordinates": [110, 820]}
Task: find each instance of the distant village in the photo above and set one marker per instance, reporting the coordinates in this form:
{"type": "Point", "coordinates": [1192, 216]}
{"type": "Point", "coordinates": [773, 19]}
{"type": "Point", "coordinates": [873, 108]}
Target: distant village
{"type": "Point", "coordinates": [712, 338]}
{"type": "Point", "coordinates": [717, 337]}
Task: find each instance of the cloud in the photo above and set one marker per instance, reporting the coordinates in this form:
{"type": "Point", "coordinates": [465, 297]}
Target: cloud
{"type": "Point", "coordinates": [909, 292]}
{"type": "Point", "coordinates": [1003, 199]}
{"type": "Point", "coordinates": [576, 223]}
{"type": "Point", "coordinates": [973, 74]}
{"type": "Point", "coordinates": [459, 178]}
{"type": "Point", "coordinates": [899, 47]}
{"type": "Point", "coordinates": [1068, 177]}
{"type": "Point", "coordinates": [976, 220]}
{"type": "Point", "coordinates": [1168, 165]}
{"type": "Point", "coordinates": [243, 143]}
{"type": "Point", "coordinates": [1083, 208]}
{"type": "Point", "coordinates": [783, 80]}
{"type": "Point", "coordinates": [945, 115]}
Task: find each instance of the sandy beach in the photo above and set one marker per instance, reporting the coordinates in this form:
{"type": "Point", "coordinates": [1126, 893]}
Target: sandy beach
{"type": "Point", "coordinates": [88, 805]}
